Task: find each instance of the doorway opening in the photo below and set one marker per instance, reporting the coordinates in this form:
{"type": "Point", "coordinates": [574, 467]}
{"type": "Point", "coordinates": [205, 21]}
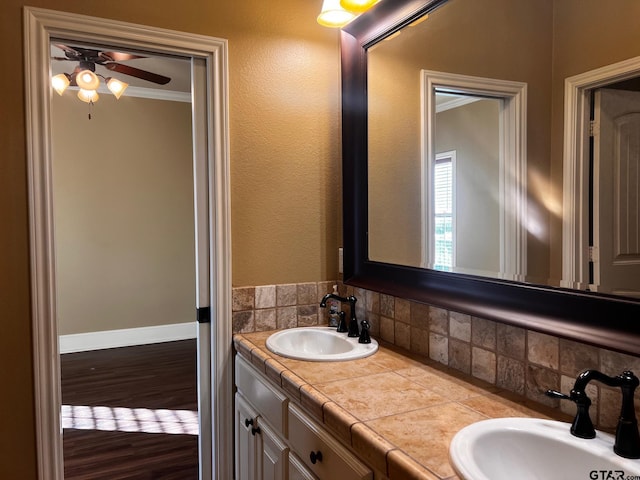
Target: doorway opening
{"type": "Point", "coordinates": [122, 171]}
{"type": "Point", "coordinates": [484, 121]}
{"type": "Point", "coordinates": [601, 180]}
{"type": "Point", "coordinates": [208, 65]}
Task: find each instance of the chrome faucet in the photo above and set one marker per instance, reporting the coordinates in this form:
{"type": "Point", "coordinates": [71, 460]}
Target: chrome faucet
{"type": "Point", "coordinates": [627, 442]}
{"type": "Point", "coordinates": [353, 322]}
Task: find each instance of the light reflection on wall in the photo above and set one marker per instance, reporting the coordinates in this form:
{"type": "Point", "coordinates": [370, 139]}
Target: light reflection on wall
{"type": "Point", "coordinates": [123, 419]}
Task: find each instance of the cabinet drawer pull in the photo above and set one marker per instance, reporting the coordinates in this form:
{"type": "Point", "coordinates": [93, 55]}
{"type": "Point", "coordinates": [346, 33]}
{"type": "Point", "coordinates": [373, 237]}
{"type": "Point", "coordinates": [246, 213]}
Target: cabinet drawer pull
{"type": "Point", "coordinates": [255, 431]}
{"type": "Point", "coordinates": [248, 422]}
{"type": "Point", "coordinates": [315, 457]}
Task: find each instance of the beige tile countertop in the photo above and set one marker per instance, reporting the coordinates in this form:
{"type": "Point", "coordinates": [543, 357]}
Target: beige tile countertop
{"type": "Point", "coordinates": [398, 413]}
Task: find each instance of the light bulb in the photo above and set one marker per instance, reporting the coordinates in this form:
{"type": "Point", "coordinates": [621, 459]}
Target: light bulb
{"type": "Point", "coordinates": [88, 96]}
{"type": "Point", "coordinates": [333, 15]}
{"type": "Point", "coordinates": [88, 80]}
{"type": "Point", "coordinates": [357, 6]}
{"type": "Point", "coordinates": [117, 87]}
{"type": "Point", "coordinates": [60, 83]}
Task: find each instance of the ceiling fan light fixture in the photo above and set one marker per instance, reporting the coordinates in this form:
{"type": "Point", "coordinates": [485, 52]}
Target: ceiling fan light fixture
{"type": "Point", "coordinates": [60, 82]}
{"type": "Point", "coordinates": [115, 86]}
{"type": "Point", "coordinates": [333, 15]}
{"type": "Point", "coordinates": [88, 96]}
{"type": "Point", "coordinates": [87, 80]}
{"type": "Point", "coordinates": [357, 6]}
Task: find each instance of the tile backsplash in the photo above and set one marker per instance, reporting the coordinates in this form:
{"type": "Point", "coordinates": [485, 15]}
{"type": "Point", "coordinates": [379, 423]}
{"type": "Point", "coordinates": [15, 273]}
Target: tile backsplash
{"type": "Point", "coordinates": [519, 360]}
{"type": "Point", "coordinates": [268, 307]}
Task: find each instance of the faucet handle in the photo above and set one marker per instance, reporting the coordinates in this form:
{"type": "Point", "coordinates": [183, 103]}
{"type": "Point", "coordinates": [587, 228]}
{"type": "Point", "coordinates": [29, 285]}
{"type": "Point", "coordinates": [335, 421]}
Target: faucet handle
{"type": "Point", "coordinates": [342, 322]}
{"type": "Point", "coordinates": [364, 333]}
{"type": "Point", "coordinates": [627, 437]}
{"type": "Point", "coordinates": [629, 379]}
{"type": "Point", "coordinates": [582, 426]}
{"type": "Point", "coordinates": [556, 394]}
{"type": "Point", "coordinates": [353, 330]}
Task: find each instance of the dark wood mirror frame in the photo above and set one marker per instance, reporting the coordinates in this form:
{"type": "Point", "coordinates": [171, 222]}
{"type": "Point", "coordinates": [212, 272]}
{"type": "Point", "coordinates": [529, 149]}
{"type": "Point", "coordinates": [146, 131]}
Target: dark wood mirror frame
{"type": "Point", "coordinates": [596, 319]}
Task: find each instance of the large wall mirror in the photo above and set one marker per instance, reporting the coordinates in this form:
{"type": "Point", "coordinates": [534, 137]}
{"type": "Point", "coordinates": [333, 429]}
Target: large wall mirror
{"type": "Point", "coordinates": [461, 187]}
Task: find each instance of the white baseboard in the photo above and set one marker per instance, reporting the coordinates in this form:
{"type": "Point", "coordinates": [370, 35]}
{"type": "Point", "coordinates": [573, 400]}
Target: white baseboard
{"type": "Point", "coordinates": [127, 337]}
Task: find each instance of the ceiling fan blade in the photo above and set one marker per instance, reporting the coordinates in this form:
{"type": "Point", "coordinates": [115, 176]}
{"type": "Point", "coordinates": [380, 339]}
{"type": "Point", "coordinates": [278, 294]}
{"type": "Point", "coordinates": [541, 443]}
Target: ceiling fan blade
{"type": "Point", "coordinates": [136, 72]}
{"type": "Point", "coordinates": [67, 49]}
{"type": "Point", "coordinates": [118, 56]}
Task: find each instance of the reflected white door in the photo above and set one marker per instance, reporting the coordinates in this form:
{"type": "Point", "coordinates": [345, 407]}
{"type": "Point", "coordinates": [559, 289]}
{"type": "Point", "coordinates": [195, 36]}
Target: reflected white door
{"type": "Point", "coordinates": [616, 212]}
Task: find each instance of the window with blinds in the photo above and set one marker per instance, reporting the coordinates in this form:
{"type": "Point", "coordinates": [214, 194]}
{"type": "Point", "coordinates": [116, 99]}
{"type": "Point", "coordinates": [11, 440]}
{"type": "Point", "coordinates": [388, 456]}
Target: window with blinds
{"type": "Point", "coordinates": [443, 213]}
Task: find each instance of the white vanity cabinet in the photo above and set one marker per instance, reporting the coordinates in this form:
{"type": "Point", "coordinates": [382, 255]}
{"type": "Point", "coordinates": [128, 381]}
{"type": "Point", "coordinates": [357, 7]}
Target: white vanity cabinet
{"type": "Point", "coordinates": [277, 440]}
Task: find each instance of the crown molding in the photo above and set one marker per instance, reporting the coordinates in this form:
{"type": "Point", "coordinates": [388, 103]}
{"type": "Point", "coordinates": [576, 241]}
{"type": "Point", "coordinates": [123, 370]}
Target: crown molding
{"type": "Point", "coordinates": [151, 93]}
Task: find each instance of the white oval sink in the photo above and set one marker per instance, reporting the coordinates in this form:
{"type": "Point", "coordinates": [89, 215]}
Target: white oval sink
{"type": "Point", "coordinates": [319, 344]}
{"type": "Point", "coordinates": [533, 448]}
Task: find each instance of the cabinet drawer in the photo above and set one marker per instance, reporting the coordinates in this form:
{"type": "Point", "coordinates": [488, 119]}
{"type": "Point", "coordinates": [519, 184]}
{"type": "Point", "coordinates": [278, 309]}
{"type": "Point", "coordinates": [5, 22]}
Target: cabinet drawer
{"type": "Point", "coordinates": [269, 403]}
{"type": "Point", "coordinates": [309, 440]}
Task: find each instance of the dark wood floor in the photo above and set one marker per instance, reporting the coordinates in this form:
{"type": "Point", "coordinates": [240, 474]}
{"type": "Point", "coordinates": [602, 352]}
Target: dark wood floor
{"type": "Point", "coordinates": [149, 388]}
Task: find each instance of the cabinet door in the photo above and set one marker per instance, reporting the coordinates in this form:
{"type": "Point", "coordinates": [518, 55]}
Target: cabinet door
{"type": "Point", "coordinates": [246, 463]}
{"type": "Point", "coordinates": [297, 470]}
{"type": "Point", "coordinates": [272, 454]}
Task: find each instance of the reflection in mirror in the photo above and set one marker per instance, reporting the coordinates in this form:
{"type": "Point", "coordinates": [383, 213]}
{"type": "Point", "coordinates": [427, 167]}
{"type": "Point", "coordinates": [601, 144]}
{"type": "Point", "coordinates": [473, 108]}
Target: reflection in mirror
{"type": "Point", "coordinates": [601, 238]}
{"type": "Point", "coordinates": [464, 189]}
{"type": "Point", "coordinates": [537, 45]}
{"type": "Point", "coordinates": [466, 204]}
{"type": "Point", "coordinates": [407, 130]}
{"type": "Point", "coordinates": [547, 46]}
{"type": "Point", "coordinates": [611, 159]}
{"type": "Point", "coordinates": [616, 154]}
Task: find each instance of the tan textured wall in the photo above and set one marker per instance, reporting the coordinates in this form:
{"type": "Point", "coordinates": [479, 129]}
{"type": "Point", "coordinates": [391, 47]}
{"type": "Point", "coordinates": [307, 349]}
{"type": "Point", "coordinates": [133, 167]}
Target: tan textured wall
{"type": "Point", "coordinates": [123, 201]}
{"type": "Point", "coordinates": [285, 149]}
{"type": "Point", "coordinates": [285, 155]}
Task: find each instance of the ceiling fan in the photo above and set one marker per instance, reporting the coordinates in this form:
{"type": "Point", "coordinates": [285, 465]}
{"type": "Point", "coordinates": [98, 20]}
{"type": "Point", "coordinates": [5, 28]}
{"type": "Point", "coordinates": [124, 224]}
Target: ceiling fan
{"type": "Point", "coordinates": [88, 59]}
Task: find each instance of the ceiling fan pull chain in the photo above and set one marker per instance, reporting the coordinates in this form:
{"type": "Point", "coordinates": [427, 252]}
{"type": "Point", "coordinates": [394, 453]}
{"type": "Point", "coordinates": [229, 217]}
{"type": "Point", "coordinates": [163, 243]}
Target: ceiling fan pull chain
{"type": "Point", "coordinates": [90, 108]}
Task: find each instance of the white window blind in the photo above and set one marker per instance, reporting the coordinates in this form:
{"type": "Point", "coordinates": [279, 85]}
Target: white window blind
{"type": "Point", "coordinates": [443, 213]}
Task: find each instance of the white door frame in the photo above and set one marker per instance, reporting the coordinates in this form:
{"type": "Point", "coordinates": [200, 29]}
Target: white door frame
{"type": "Point", "coordinates": [513, 160]}
{"type": "Point", "coordinates": [213, 252]}
{"type": "Point", "coordinates": [575, 178]}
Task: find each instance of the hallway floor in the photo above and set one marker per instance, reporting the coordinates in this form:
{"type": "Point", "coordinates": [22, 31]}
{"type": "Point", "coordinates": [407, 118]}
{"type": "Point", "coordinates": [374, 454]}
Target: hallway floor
{"type": "Point", "coordinates": [131, 413]}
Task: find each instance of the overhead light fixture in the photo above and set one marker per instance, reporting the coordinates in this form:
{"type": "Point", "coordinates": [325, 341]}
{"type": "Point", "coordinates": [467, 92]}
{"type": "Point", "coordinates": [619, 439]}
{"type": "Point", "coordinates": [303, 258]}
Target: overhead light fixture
{"type": "Point", "coordinates": [87, 80]}
{"type": "Point", "coordinates": [115, 86]}
{"type": "Point", "coordinates": [88, 96]}
{"type": "Point", "coordinates": [88, 83]}
{"type": "Point", "coordinates": [333, 15]}
{"type": "Point", "coordinates": [60, 82]}
{"type": "Point", "coordinates": [357, 6]}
